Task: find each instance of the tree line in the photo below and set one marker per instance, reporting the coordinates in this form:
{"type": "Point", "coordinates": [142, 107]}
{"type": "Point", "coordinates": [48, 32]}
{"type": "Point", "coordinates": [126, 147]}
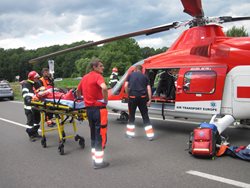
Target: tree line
{"type": "Point", "coordinates": [121, 54]}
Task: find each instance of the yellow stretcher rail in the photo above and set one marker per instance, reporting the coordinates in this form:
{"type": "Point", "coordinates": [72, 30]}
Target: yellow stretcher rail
{"type": "Point", "coordinates": [61, 114]}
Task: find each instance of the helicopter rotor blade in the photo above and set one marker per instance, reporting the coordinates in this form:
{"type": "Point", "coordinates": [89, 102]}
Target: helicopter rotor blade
{"type": "Point", "coordinates": [193, 7]}
{"type": "Point", "coordinates": [224, 19]}
{"type": "Point", "coordinates": [132, 34]}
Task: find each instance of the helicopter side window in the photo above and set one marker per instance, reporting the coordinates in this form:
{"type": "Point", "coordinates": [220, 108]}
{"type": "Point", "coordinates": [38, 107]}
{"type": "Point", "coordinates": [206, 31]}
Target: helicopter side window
{"type": "Point", "coordinates": [199, 82]}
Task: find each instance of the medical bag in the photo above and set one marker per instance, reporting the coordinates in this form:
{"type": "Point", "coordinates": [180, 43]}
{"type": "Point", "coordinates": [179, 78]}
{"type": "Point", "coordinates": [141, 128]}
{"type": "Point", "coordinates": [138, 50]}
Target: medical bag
{"type": "Point", "coordinates": [203, 142]}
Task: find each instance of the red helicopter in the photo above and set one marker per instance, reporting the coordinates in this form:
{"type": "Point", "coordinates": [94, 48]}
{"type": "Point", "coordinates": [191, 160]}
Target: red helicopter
{"type": "Point", "coordinates": [204, 74]}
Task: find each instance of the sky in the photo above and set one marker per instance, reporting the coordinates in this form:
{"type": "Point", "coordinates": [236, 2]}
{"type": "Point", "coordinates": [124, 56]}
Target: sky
{"type": "Point", "coordinates": [40, 23]}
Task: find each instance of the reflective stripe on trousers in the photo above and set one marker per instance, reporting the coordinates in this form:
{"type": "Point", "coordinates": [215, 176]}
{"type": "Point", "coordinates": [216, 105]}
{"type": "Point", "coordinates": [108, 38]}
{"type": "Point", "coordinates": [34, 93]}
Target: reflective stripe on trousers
{"type": "Point", "coordinates": [99, 157]}
{"type": "Point", "coordinates": [130, 130]}
{"type": "Point", "coordinates": [149, 131]}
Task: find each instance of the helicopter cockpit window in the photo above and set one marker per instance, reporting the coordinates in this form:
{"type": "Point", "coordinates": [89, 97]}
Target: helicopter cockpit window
{"type": "Point", "coordinates": [199, 82]}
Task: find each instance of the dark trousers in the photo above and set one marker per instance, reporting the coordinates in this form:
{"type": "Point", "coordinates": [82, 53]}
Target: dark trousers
{"type": "Point", "coordinates": [141, 103]}
{"type": "Point", "coordinates": [97, 118]}
{"type": "Point", "coordinates": [33, 117]}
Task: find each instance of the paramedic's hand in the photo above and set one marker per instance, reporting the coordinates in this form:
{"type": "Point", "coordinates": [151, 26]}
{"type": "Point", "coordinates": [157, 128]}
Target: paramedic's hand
{"type": "Point", "coordinates": [79, 98]}
{"type": "Point", "coordinates": [149, 103]}
{"type": "Point", "coordinates": [105, 102]}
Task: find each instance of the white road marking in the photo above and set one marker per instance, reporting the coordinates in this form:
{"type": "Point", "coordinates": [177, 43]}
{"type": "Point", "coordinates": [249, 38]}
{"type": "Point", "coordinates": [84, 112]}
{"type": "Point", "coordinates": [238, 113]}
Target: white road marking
{"type": "Point", "coordinates": [219, 179]}
{"type": "Point", "coordinates": [15, 123]}
{"type": "Point", "coordinates": [20, 102]}
{"type": "Point", "coordinates": [18, 124]}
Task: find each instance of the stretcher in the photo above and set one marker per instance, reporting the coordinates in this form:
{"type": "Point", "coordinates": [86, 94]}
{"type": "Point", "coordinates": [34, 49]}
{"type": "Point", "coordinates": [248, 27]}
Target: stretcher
{"type": "Point", "coordinates": [65, 112]}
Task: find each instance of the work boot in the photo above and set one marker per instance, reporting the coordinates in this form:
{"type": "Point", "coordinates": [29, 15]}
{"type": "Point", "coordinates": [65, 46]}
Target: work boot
{"type": "Point", "coordinates": [36, 135]}
{"type": "Point", "coordinates": [32, 138]}
{"type": "Point", "coordinates": [101, 165]}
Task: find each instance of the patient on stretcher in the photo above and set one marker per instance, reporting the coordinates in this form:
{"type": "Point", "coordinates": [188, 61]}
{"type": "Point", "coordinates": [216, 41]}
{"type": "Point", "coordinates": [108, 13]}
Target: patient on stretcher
{"type": "Point", "coordinates": [47, 93]}
{"type": "Point", "coordinates": [68, 98]}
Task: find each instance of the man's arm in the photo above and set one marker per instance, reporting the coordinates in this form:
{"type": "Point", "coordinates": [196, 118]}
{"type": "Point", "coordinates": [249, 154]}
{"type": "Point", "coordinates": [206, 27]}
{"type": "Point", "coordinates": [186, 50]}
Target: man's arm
{"type": "Point", "coordinates": [126, 86]}
{"type": "Point", "coordinates": [104, 92]}
{"type": "Point", "coordinates": [149, 95]}
{"type": "Point", "coordinates": [78, 94]}
{"type": "Point", "coordinates": [79, 90]}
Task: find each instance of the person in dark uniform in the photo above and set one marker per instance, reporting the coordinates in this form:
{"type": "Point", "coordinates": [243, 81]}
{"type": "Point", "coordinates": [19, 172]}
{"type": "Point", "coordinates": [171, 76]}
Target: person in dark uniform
{"type": "Point", "coordinates": [113, 79]}
{"type": "Point", "coordinates": [139, 92]}
{"type": "Point", "coordinates": [33, 116]}
{"type": "Point", "coordinates": [166, 85]}
{"type": "Point", "coordinates": [95, 96]}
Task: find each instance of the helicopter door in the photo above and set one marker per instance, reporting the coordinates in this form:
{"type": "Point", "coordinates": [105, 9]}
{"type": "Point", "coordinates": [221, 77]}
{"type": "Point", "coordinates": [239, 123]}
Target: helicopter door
{"type": "Point", "coordinates": [199, 89]}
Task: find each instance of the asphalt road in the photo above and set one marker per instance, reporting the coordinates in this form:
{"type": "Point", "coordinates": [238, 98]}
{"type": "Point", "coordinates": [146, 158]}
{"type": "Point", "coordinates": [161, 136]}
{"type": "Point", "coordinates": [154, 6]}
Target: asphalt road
{"type": "Point", "coordinates": [136, 163]}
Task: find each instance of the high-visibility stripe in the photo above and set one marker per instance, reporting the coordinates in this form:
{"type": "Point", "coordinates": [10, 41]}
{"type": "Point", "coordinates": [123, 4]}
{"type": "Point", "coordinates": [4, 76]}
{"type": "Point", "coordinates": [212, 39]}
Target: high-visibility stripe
{"type": "Point", "coordinates": [148, 127]}
{"type": "Point", "coordinates": [93, 153]}
{"type": "Point", "coordinates": [28, 94]}
{"type": "Point", "coordinates": [150, 135]}
{"type": "Point", "coordinates": [149, 131]}
{"type": "Point", "coordinates": [200, 149]}
{"type": "Point", "coordinates": [130, 133]}
{"type": "Point", "coordinates": [25, 89]}
{"type": "Point", "coordinates": [130, 126]}
{"type": "Point", "coordinates": [130, 130]}
{"type": "Point", "coordinates": [133, 97]}
{"type": "Point", "coordinates": [111, 81]}
{"type": "Point", "coordinates": [99, 156]}
{"type": "Point", "coordinates": [27, 107]}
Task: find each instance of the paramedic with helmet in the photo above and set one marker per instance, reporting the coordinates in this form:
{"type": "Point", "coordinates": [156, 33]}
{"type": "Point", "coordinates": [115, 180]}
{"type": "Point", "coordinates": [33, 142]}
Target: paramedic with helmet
{"type": "Point", "coordinates": [95, 95]}
{"type": "Point", "coordinates": [113, 77]}
{"type": "Point", "coordinates": [33, 115]}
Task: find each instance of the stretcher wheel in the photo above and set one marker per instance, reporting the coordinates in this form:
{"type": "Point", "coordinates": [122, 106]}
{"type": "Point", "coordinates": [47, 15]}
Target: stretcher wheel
{"type": "Point", "coordinates": [77, 137]}
{"type": "Point", "coordinates": [63, 135]}
{"type": "Point", "coordinates": [82, 142]}
{"type": "Point", "coordinates": [61, 149]}
{"type": "Point", "coordinates": [43, 142]}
